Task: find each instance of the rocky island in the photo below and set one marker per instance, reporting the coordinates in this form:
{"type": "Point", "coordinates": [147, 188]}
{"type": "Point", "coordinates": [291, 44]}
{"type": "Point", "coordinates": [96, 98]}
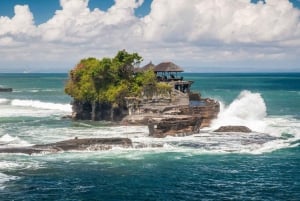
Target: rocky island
{"type": "Point", "coordinates": [117, 90]}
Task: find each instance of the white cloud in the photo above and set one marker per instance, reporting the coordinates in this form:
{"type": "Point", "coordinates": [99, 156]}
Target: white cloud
{"type": "Point", "coordinates": [227, 21]}
{"type": "Point", "coordinates": [22, 24]}
{"type": "Point", "coordinates": [194, 33]}
{"type": "Point", "coordinates": [76, 23]}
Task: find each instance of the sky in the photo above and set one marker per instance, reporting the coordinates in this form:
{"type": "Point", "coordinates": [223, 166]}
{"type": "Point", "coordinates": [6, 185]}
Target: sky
{"type": "Point", "coordinates": [198, 35]}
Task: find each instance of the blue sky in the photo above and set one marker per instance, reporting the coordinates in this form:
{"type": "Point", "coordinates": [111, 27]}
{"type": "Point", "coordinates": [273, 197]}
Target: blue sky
{"type": "Point", "coordinates": [199, 35]}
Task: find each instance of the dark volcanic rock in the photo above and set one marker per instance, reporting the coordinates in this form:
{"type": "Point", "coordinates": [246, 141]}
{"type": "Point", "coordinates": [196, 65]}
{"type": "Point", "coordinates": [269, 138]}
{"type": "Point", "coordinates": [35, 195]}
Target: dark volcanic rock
{"type": "Point", "coordinates": [5, 89]}
{"type": "Point", "coordinates": [208, 110]}
{"type": "Point", "coordinates": [83, 110]}
{"type": "Point", "coordinates": [180, 125]}
{"type": "Point", "coordinates": [241, 129]}
{"type": "Point", "coordinates": [92, 144]}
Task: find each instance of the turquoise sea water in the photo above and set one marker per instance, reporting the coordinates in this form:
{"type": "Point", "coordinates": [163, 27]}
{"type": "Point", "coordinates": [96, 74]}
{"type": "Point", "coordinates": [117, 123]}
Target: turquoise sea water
{"type": "Point", "coordinates": [263, 165]}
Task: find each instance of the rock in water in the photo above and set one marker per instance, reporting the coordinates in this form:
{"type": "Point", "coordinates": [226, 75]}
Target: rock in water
{"type": "Point", "coordinates": [92, 144]}
{"type": "Point", "coordinates": [174, 125]}
{"type": "Point", "coordinates": [5, 89]}
{"type": "Point", "coordinates": [241, 129]}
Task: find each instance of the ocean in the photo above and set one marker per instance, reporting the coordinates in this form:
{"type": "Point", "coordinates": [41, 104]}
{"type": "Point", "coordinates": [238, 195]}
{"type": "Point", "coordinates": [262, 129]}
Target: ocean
{"type": "Point", "coordinates": [262, 165]}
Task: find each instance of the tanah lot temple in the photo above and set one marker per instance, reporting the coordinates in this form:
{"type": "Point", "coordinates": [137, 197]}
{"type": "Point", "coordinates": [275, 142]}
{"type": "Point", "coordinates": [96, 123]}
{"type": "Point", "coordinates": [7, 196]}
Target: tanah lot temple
{"type": "Point", "coordinates": [178, 111]}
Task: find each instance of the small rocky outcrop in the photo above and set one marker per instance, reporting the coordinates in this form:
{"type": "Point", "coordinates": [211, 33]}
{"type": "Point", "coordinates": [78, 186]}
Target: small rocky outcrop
{"type": "Point", "coordinates": [240, 129]}
{"type": "Point", "coordinates": [91, 144]}
{"type": "Point", "coordinates": [2, 89]}
{"type": "Point", "coordinates": [180, 125]}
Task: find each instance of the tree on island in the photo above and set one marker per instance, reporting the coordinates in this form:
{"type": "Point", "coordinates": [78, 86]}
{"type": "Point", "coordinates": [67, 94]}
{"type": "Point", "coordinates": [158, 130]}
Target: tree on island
{"type": "Point", "coordinates": [98, 86]}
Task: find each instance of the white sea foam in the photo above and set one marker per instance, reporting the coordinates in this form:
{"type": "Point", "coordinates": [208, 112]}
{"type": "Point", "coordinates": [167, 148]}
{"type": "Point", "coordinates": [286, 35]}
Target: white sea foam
{"type": "Point", "coordinates": [7, 164]}
{"type": "Point", "coordinates": [4, 101]}
{"type": "Point", "coordinates": [42, 105]}
{"type": "Point", "coordinates": [17, 107]}
{"type": "Point", "coordinates": [7, 140]}
{"type": "Point", "coordinates": [204, 142]}
{"type": "Point", "coordinates": [38, 90]}
{"type": "Point", "coordinates": [10, 111]}
{"type": "Point", "coordinates": [34, 90]}
{"type": "Point", "coordinates": [5, 178]}
{"type": "Point", "coordinates": [248, 109]}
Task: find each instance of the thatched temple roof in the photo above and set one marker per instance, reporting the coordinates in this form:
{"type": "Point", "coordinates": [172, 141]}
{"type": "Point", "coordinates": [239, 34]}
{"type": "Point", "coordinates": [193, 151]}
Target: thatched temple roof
{"type": "Point", "coordinates": [167, 67]}
{"type": "Point", "coordinates": [149, 66]}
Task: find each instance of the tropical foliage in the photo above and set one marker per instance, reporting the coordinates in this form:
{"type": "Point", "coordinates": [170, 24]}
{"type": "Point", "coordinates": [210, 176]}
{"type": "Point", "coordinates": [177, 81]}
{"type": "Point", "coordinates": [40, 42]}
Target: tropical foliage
{"type": "Point", "coordinates": [110, 80]}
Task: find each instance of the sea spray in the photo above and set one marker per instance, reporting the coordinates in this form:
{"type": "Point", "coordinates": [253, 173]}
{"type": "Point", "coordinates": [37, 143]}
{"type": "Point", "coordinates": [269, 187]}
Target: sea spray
{"type": "Point", "coordinates": [32, 108]}
{"type": "Point", "coordinates": [4, 101]}
{"type": "Point", "coordinates": [248, 109]}
{"type": "Point", "coordinates": [285, 127]}
{"type": "Point", "coordinates": [42, 105]}
{"type": "Point", "coordinates": [7, 140]}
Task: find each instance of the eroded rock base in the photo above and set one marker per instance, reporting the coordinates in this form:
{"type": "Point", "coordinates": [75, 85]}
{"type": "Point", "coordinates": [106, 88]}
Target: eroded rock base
{"type": "Point", "coordinates": [88, 144]}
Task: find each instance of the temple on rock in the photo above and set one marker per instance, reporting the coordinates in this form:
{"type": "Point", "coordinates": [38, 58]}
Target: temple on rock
{"type": "Point", "coordinates": [168, 72]}
{"type": "Point", "coordinates": [116, 90]}
{"type": "Point", "coordinates": [177, 111]}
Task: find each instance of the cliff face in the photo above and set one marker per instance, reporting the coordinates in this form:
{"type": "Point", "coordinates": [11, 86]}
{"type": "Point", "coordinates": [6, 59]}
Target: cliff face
{"type": "Point", "coordinates": [83, 110]}
{"type": "Point", "coordinates": [174, 125]}
{"type": "Point", "coordinates": [208, 111]}
{"type": "Point", "coordinates": [162, 116]}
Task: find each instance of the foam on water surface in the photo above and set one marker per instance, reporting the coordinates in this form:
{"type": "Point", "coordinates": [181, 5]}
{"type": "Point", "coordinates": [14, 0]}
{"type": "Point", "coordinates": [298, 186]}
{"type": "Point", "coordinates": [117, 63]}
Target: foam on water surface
{"type": "Point", "coordinates": [35, 108]}
{"type": "Point", "coordinates": [17, 163]}
{"type": "Point", "coordinates": [42, 105]}
{"type": "Point", "coordinates": [9, 141]}
{"type": "Point", "coordinates": [5, 178]}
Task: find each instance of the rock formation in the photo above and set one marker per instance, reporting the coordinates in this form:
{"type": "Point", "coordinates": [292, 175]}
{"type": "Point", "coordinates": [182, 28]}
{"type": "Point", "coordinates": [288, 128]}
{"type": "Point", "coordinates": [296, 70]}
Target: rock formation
{"type": "Point", "coordinates": [207, 110]}
{"type": "Point", "coordinates": [2, 89]}
{"type": "Point", "coordinates": [103, 111]}
{"type": "Point", "coordinates": [112, 90]}
{"type": "Point", "coordinates": [91, 144]}
{"type": "Point", "coordinates": [241, 129]}
{"type": "Point", "coordinates": [174, 125]}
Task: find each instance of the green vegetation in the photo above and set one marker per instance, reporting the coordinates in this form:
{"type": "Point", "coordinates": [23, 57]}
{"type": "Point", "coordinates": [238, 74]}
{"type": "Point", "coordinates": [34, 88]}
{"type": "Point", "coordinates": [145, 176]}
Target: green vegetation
{"type": "Point", "coordinates": [111, 80]}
